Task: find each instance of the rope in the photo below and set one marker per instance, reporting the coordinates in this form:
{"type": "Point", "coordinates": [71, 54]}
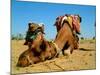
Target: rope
{"type": "Point", "coordinates": [57, 48]}
{"type": "Point", "coordinates": [28, 58]}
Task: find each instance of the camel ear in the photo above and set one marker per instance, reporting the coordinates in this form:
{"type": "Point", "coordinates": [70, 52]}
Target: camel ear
{"type": "Point", "coordinates": [80, 19]}
{"type": "Point", "coordinates": [29, 24]}
{"type": "Point", "coordinates": [66, 14]}
{"type": "Point", "coordinates": [43, 29]}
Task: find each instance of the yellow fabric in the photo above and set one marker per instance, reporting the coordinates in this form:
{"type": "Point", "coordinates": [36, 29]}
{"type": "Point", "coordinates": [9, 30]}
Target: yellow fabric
{"type": "Point", "coordinates": [69, 19]}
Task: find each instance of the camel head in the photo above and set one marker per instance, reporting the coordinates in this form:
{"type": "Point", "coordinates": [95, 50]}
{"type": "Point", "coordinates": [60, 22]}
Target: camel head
{"type": "Point", "coordinates": [33, 30]}
{"type": "Point", "coordinates": [73, 20]}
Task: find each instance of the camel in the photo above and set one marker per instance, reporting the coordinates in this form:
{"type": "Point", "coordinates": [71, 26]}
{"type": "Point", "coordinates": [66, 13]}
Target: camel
{"type": "Point", "coordinates": [40, 49]}
{"type": "Point", "coordinates": [74, 25]}
{"type": "Point", "coordinates": [37, 46]}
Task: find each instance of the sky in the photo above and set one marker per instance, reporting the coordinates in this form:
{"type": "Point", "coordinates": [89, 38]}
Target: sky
{"type": "Point", "coordinates": [24, 12]}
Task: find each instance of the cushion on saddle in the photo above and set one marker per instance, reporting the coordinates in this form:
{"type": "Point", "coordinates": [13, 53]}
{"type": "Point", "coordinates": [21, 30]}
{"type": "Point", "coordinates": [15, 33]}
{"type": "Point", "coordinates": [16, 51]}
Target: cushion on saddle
{"type": "Point", "coordinates": [72, 20]}
{"type": "Point", "coordinates": [75, 23]}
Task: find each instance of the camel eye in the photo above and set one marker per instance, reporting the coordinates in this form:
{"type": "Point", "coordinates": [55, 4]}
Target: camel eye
{"type": "Point", "coordinates": [29, 24]}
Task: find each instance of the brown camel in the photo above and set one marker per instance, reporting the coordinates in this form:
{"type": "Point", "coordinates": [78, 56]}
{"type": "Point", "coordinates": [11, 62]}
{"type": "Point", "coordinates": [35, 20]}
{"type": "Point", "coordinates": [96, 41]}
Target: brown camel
{"type": "Point", "coordinates": [37, 46]}
{"type": "Point", "coordinates": [43, 49]}
{"type": "Point", "coordinates": [74, 25]}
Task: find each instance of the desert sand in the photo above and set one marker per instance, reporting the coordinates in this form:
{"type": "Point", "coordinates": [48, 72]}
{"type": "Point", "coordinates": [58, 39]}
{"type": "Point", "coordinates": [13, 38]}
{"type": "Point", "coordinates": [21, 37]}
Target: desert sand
{"type": "Point", "coordinates": [81, 59]}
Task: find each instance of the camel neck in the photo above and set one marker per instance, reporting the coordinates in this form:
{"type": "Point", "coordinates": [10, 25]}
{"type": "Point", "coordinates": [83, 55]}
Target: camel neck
{"type": "Point", "coordinates": [63, 35]}
{"type": "Point", "coordinates": [61, 38]}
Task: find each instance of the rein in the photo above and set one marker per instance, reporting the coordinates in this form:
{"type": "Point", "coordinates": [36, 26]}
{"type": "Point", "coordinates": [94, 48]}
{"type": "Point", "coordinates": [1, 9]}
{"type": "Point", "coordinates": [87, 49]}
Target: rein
{"type": "Point", "coordinates": [57, 49]}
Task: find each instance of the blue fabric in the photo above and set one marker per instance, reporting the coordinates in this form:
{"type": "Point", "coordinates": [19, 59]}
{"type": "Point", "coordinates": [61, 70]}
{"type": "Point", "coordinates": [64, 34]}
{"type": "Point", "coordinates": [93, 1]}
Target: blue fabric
{"type": "Point", "coordinates": [32, 35]}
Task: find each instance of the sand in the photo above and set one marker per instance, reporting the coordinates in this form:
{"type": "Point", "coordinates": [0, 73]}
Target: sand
{"type": "Point", "coordinates": [81, 59]}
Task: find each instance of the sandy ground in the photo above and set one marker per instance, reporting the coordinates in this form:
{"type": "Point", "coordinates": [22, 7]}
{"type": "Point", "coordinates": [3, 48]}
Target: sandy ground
{"type": "Point", "coordinates": [82, 59]}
